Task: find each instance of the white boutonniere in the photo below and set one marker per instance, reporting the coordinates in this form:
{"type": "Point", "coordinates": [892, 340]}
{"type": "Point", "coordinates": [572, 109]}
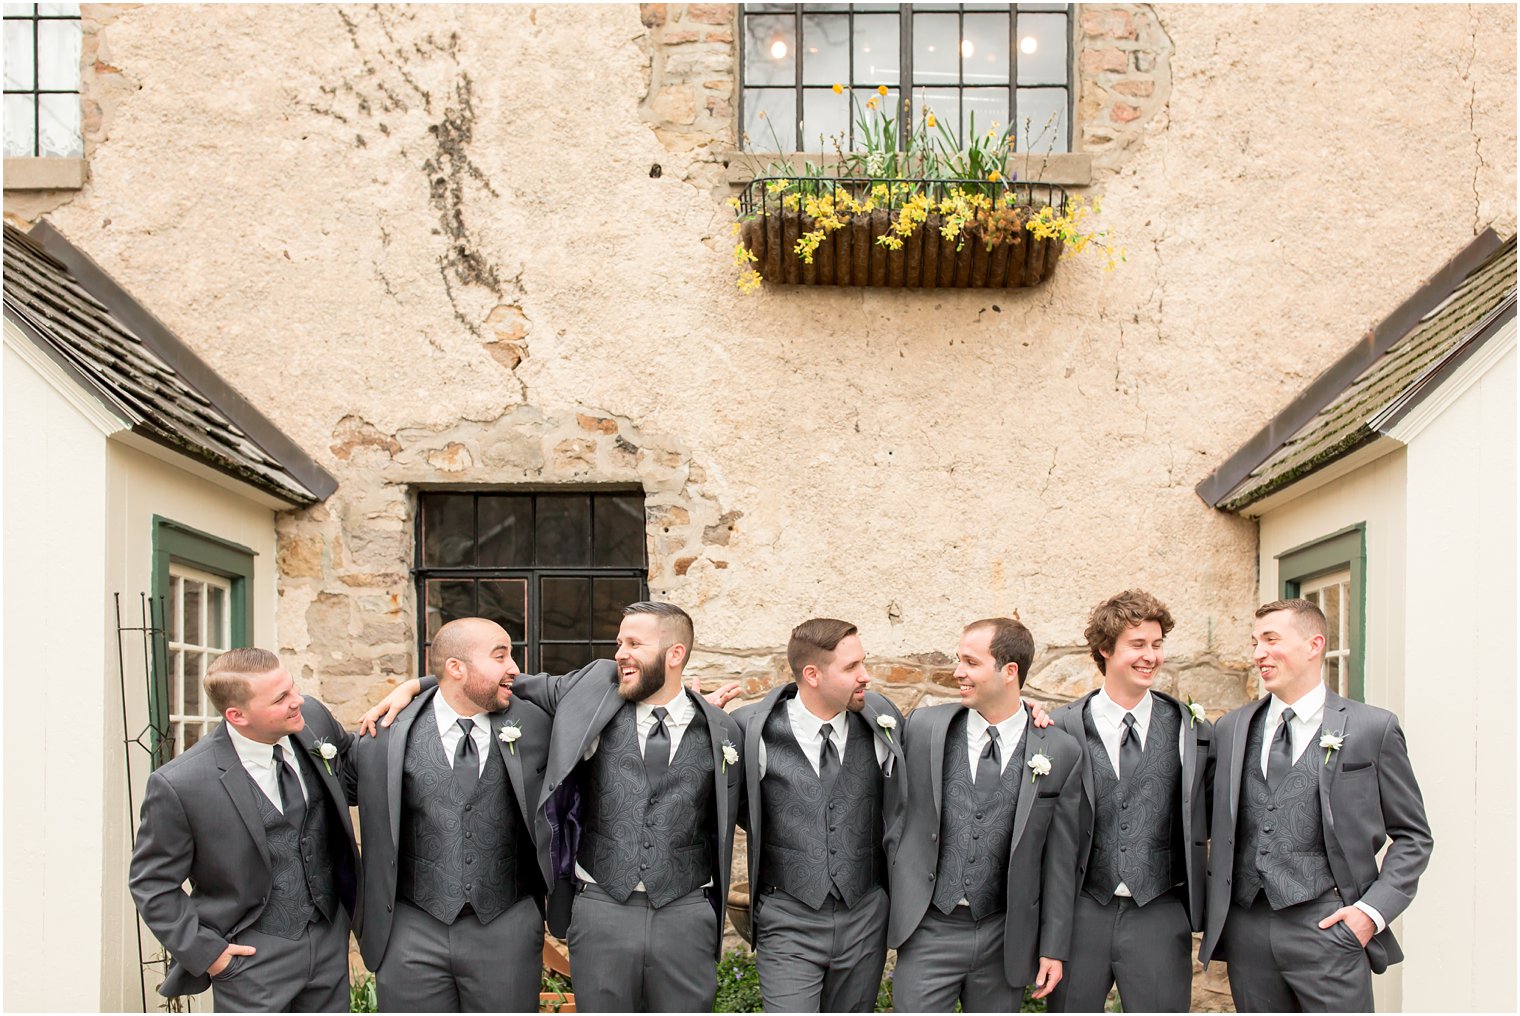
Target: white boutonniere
{"type": "Point", "coordinates": [326, 751]}
{"type": "Point", "coordinates": [730, 755]}
{"type": "Point", "coordinates": [1195, 712]}
{"type": "Point", "coordinates": [1331, 742]}
{"type": "Point", "coordinates": [510, 732]}
{"type": "Point", "coordinates": [1039, 766]}
{"type": "Point", "coordinates": [887, 723]}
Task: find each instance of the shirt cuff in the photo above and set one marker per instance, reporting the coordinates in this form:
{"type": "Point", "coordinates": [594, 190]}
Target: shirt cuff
{"type": "Point", "coordinates": [1371, 912]}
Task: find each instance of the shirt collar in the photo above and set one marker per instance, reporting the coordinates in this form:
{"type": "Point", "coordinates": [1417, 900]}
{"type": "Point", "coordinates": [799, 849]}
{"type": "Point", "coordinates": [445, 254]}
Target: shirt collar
{"type": "Point", "coordinates": [680, 710]}
{"type": "Point", "coordinates": [256, 752]}
{"type": "Point", "coordinates": [1105, 708]}
{"type": "Point", "coordinates": [1309, 709]}
{"type": "Point", "coordinates": [446, 717]}
{"type": "Point", "coordinates": [804, 723]}
{"type": "Point", "coordinates": [1009, 731]}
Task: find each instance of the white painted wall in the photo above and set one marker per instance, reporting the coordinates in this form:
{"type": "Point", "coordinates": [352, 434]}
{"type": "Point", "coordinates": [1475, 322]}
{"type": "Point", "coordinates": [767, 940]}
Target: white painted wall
{"type": "Point", "coordinates": [1459, 621]}
{"type": "Point", "coordinates": [58, 747]}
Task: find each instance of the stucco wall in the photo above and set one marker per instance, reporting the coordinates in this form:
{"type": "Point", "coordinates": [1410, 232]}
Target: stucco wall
{"type": "Point", "coordinates": [426, 232]}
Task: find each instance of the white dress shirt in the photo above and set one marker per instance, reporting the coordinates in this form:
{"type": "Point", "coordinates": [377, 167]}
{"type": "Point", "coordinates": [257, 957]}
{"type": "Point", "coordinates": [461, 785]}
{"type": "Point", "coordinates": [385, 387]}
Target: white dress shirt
{"type": "Point", "coordinates": [1108, 718]}
{"type": "Point", "coordinates": [450, 733]}
{"type": "Point", "coordinates": [1009, 732]}
{"type": "Point", "coordinates": [258, 758]}
{"type": "Point", "coordinates": [680, 711]}
{"type": "Point", "coordinates": [808, 730]}
{"type": "Point", "coordinates": [1308, 716]}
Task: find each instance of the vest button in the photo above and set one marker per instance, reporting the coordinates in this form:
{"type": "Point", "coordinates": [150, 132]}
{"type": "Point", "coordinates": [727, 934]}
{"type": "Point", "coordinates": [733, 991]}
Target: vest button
{"type": "Point", "coordinates": [1263, 851]}
{"type": "Point", "coordinates": [1266, 829]}
{"type": "Point", "coordinates": [648, 845]}
{"type": "Point", "coordinates": [978, 815]}
{"type": "Point", "coordinates": [469, 859]}
{"type": "Point", "coordinates": [1124, 827]}
{"type": "Point", "coordinates": [1123, 850]}
{"type": "Point", "coordinates": [976, 836]}
{"type": "Point", "coordinates": [469, 887]}
{"type": "Point", "coordinates": [469, 835]}
{"type": "Point", "coordinates": [833, 850]}
{"type": "Point", "coordinates": [469, 807]}
{"type": "Point", "coordinates": [644, 866]}
{"type": "Point", "coordinates": [832, 828]}
{"type": "Point", "coordinates": [1271, 807]}
{"type": "Point", "coordinates": [1125, 806]}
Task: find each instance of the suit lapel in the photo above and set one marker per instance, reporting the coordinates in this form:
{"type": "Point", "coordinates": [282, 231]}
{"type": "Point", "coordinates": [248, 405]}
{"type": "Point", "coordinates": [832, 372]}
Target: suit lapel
{"type": "Point", "coordinates": [1189, 761]}
{"type": "Point", "coordinates": [893, 744]}
{"type": "Point", "coordinates": [937, 734]}
{"type": "Point", "coordinates": [1076, 728]}
{"type": "Point", "coordinates": [752, 737]}
{"type": "Point", "coordinates": [512, 760]}
{"type": "Point", "coordinates": [601, 714]}
{"type": "Point", "coordinates": [395, 758]}
{"type": "Point", "coordinates": [713, 715]}
{"type": "Point", "coordinates": [1034, 744]}
{"type": "Point", "coordinates": [306, 741]}
{"type": "Point", "coordinates": [1238, 751]}
{"type": "Point", "coordinates": [1333, 722]}
{"type": "Point", "coordinates": [240, 788]}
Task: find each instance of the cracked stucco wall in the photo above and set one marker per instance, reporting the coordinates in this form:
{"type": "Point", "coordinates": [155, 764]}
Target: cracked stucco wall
{"type": "Point", "coordinates": [427, 241]}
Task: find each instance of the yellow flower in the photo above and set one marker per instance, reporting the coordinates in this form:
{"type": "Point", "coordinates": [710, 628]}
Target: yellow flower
{"type": "Point", "coordinates": [931, 121]}
{"type": "Point", "coordinates": [994, 175]}
{"type": "Point", "coordinates": [838, 88]}
{"type": "Point", "coordinates": [870, 104]}
{"type": "Point", "coordinates": [881, 89]}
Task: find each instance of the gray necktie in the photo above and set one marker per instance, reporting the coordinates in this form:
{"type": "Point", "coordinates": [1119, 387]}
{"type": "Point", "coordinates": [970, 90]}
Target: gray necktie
{"type": "Point", "coordinates": [989, 768]}
{"type": "Point", "coordinates": [466, 760]}
{"type": "Point", "coordinates": [657, 749]}
{"type": "Point", "coordinates": [292, 802]}
{"type": "Point", "coordinates": [1280, 755]}
{"type": "Point", "coordinates": [828, 758]}
{"type": "Point", "coordinates": [1129, 747]}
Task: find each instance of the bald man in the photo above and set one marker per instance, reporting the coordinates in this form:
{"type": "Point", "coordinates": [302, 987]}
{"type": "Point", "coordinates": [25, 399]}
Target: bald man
{"type": "Point", "coordinates": [455, 861]}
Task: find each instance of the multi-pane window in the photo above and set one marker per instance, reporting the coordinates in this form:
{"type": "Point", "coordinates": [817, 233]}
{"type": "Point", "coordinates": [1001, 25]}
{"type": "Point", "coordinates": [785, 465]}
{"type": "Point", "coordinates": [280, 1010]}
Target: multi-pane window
{"type": "Point", "coordinates": [554, 570]}
{"type": "Point", "coordinates": [966, 63]}
{"type": "Point", "coordinates": [1332, 594]}
{"type": "Point", "coordinates": [198, 620]}
{"type": "Point", "coordinates": [42, 45]}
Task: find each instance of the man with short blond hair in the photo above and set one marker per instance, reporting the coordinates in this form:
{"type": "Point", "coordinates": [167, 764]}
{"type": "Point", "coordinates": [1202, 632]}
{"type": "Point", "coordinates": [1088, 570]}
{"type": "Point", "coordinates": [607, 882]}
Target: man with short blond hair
{"type": "Point", "coordinates": [255, 817]}
{"type": "Point", "coordinates": [1298, 904]}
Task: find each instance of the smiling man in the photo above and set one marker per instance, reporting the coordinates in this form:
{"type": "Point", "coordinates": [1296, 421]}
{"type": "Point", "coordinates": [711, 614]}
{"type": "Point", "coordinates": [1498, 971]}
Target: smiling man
{"type": "Point", "coordinates": [982, 881]}
{"type": "Point", "coordinates": [1308, 787]}
{"type": "Point", "coordinates": [822, 789]}
{"type": "Point", "coordinates": [1142, 824]}
{"type": "Point", "coordinates": [456, 852]}
{"type": "Point", "coordinates": [254, 817]}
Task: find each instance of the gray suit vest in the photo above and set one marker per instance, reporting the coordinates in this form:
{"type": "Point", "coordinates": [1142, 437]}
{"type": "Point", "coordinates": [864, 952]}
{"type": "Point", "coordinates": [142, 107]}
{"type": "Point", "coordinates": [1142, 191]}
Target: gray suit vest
{"type": "Point", "coordinates": [1280, 845]}
{"type": "Point", "coordinates": [631, 833]}
{"type": "Point", "coordinates": [301, 882]}
{"type": "Point", "coordinates": [455, 850]}
{"type": "Point", "coordinates": [976, 834]}
{"type": "Point", "coordinates": [812, 846]}
{"type": "Point", "coordinates": [1137, 823]}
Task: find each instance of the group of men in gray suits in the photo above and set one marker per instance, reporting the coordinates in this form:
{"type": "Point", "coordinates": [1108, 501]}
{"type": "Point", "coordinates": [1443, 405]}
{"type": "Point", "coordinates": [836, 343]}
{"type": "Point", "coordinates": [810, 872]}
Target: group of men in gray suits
{"type": "Point", "coordinates": [991, 847]}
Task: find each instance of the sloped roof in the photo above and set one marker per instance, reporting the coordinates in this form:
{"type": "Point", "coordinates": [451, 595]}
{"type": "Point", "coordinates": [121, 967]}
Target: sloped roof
{"type": "Point", "coordinates": [1353, 401]}
{"type": "Point", "coordinates": [115, 348]}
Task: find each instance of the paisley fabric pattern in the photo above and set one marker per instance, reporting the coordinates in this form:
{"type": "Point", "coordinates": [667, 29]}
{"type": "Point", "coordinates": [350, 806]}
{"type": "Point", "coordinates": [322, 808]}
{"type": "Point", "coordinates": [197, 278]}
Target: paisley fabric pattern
{"type": "Point", "coordinates": [633, 833]}
{"type": "Point", "coordinates": [975, 836]}
{"type": "Point", "coordinates": [1280, 847]}
{"type": "Point", "coordinates": [812, 845]}
{"type": "Point", "coordinates": [301, 880]}
{"type": "Point", "coordinates": [455, 850]}
{"type": "Point", "coordinates": [1137, 823]}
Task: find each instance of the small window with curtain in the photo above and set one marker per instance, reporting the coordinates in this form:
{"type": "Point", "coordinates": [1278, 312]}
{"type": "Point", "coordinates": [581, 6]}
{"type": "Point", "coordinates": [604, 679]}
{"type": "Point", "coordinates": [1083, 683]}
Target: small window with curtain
{"type": "Point", "coordinates": [972, 65]}
{"type": "Point", "coordinates": [42, 48]}
{"type": "Point", "coordinates": [554, 569]}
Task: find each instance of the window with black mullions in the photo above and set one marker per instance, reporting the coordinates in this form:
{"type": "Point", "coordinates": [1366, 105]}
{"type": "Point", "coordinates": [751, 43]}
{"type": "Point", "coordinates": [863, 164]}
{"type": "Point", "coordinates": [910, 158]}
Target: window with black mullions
{"type": "Point", "coordinates": [1002, 63]}
{"type": "Point", "coordinates": [555, 570]}
{"type": "Point", "coordinates": [42, 47]}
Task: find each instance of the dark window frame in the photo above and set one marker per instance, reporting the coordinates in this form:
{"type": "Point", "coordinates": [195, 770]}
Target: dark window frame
{"type": "Point", "coordinates": [175, 541]}
{"type": "Point", "coordinates": [531, 644]}
{"type": "Point", "coordinates": [905, 85]}
{"type": "Point", "coordinates": [1344, 549]}
{"type": "Point", "coordinates": [36, 92]}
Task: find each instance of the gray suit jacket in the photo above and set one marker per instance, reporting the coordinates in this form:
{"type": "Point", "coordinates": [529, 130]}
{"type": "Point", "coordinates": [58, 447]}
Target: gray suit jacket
{"type": "Point", "coordinates": [1197, 784]}
{"type": "Point", "coordinates": [200, 821]}
{"type": "Point", "coordinates": [583, 703]}
{"type": "Point", "coordinates": [751, 720]}
{"type": "Point", "coordinates": [376, 767]}
{"type": "Point", "coordinates": [1367, 795]}
{"type": "Point", "coordinates": [1042, 890]}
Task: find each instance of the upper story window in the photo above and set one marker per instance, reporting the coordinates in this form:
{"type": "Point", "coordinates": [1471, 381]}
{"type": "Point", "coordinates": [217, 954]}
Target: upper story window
{"type": "Point", "coordinates": [554, 570]}
{"type": "Point", "coordinates": [42, 45]}
{"type": "Point", "coordinates": [999, 63]}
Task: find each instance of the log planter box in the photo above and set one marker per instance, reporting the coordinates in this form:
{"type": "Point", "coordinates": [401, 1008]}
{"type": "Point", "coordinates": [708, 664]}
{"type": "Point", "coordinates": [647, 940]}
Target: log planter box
{"type": "Point", "coordinates": [851, 255]}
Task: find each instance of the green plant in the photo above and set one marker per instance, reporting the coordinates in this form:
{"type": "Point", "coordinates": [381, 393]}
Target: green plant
{"type": "Point", "coordinates": [556, 985]}
{"type": "Point", "coordinates": [361, 993]}
{"type": "Point", "coordinates": [738, 983]}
